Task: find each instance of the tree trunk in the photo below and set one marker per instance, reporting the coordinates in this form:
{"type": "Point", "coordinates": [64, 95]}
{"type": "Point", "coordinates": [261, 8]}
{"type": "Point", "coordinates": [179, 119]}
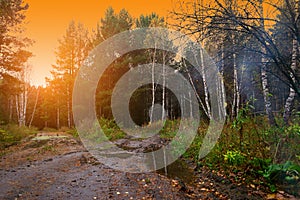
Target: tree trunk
{"type": "Point", "coordinates": [290, 100]}
{"type": "Point", "coordinates": [21, 106]}
{"type": "Point", "coordinates": [69, 107]}
{"type": "Point", "coordinates": [34, 108]}
{"type": "Point", "coordinates": [236, 90]}
{"type": "Point", "coordinates": [164, 88]}
{"type": "Point", "coordinates": [153, 86]}
{"type": "Point", "coordinates": [191, 104]}
{"type": "Point", "coordinates": [264, 75]}
{"type": "Point", "coordinates": [10, 102]}
{"type": "Point", "coordinates": [58, 118]}
{"type": "Point", "coordinates": [206, 95]}
{"type": "Point", "coordinates": [221, 87]}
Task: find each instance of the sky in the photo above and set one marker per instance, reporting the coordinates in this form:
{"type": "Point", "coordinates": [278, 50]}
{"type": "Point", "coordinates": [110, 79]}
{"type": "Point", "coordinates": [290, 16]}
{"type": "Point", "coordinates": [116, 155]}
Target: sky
{"type": "Point", "coordinates": [47, 21]}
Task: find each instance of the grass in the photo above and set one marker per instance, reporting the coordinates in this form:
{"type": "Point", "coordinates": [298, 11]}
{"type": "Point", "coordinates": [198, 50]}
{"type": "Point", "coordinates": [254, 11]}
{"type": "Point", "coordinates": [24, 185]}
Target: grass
{"type": "Point", "coordinates": [111, 129]}
{"type": "Point", "coordinates": [12, 134]}
{"type": "Point", "coordinates": [48, 129]}
{"type": "Point", "coordinates": [247, 147]}
{"type": "Point", "coordinates": [44, 137]}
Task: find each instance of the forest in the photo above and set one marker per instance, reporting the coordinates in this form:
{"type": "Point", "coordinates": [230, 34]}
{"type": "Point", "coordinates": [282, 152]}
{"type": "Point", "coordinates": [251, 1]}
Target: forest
{"type": "Point", "coordinates": [255, 45]}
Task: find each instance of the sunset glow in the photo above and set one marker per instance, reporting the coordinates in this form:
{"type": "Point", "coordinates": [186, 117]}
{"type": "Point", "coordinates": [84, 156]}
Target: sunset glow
{"type": "Point", "coordinates": [48, 20]}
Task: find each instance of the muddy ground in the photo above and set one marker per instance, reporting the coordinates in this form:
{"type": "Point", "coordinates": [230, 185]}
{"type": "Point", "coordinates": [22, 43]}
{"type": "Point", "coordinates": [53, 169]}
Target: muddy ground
{"type": "Point", "coordinates": [61, 168]}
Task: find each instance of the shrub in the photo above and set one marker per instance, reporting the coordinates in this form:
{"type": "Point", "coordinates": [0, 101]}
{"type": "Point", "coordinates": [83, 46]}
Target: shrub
{"type": "Point", "coordinates": [287, 173]}
{"type": "Point", "coordinates": [234, 158]}
{"type": "Point", "coordinates": [12, 134]}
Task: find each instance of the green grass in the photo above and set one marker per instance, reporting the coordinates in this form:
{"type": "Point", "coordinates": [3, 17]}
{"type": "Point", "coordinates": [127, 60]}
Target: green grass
{"type": "Point", "coordinates": [12, 134]}
{"type": "Point", "coordinates": [111, 129]}
{"type": "Point", "coordinates": [45, 137]}
{"type": "Point", "coordinates": [48, 129]}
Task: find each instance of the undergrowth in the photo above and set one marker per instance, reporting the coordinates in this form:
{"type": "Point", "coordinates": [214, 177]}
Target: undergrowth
{"type": "Point", "coordinates": [12, 134]}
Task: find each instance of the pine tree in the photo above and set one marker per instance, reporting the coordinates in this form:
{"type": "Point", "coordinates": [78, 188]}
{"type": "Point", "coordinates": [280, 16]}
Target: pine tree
{"type": "Point", "coordinates": [73, 49]}
{"type": "Point", "coordinates": [13, 55]}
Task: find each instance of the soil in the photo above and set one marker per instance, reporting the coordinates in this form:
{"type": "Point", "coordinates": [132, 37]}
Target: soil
{"type": "Point", "coordinates": [57, 166]}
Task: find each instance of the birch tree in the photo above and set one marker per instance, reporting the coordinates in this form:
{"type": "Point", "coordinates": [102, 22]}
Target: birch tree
{"type": "Point", "coordinates": [294, 64]}
{"type": "Point", "coordinates": [153, 20]}
{"type": "Point", "coordinates": [13, 53]}
{"type": "Point", "coordinates": [250, 19]}
{"type": "Point", "coordinates": [21, 99]}
{"type": "Point", "coordinates": [264, 74]}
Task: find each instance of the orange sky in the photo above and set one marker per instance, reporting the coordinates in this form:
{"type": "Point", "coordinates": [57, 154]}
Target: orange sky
{"type": "Point", "coordinates": [47, 21]}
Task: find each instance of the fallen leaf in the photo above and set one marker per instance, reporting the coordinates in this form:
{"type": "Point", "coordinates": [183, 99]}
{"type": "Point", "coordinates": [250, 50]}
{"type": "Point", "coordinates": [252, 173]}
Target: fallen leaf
{"type": "Point", "coordinates": [271, 196]}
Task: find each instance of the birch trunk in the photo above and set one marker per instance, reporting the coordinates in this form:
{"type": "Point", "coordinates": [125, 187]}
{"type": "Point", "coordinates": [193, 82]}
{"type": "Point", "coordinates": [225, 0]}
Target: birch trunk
{"type": "Point", "coordinates": [290, 100]}
{"type": "Point", "coordinates": [206, 95]}
{"type": "Point", "coordinates": [236, 93]}
{"type": "Point", "coordinates": [153, 86]}
{"type": "Point", "coordinates": [34, 108]}
{"type": "Point", "coordinates": [264, 75]}
{"type": "Point", "coordinates": [221, 87]}
{"type": "Point", "coordinates": [21, 107]}
{"type": "Point", "coordinates": [191, 104]}
{"type": "Point", "coordinates": [236, 89]}
{"type": "Point", "coordinates": [197, 95]}
{"type": "Point", "coordinates": [69, 107]}
{"type": "Point", "coordinates": [164, 88]}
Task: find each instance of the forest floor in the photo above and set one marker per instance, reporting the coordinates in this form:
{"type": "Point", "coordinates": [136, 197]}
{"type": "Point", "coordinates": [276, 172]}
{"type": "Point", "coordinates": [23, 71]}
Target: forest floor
{"type": "Point", "coordinates": [59, 167]}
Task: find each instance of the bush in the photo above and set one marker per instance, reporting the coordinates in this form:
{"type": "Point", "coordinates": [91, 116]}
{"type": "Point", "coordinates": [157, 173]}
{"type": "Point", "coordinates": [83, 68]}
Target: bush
{"type": "Point", "coordinates": [12, 134]}
{"type": "Point", "coordinates": [73, 132]}
{"type": "Point", "coordinates": [234, 158]}
{"type": "Point", "coordinates": [287, 173]}
{"type": "Point", "coordinates": [111, 129]}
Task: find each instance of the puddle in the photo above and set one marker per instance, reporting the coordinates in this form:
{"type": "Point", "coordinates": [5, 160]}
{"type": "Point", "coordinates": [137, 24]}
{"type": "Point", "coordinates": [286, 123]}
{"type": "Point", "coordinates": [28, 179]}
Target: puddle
{"type": "Point", "coordinates": [179, 169]}
{"type": "Point", "coordinates": [48, 137]}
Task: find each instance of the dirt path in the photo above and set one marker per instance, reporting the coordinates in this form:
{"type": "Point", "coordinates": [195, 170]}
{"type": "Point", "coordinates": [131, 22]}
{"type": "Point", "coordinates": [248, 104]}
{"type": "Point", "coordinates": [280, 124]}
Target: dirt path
{"type": "Point", "coordinates": [60, 168]}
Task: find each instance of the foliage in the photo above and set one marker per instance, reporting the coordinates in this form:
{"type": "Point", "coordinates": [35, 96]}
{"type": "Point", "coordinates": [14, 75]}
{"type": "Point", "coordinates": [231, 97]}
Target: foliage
{"type": "Point", "coordinates": [286, 173]}
{"type": "Point", "coordinates": [73, 132]}
{"type": "Point", "coordinates": [234, 157]}
{"type": "Point", "coordinates": [12, 51]}
{"type": "Point", "coordinates": [111, 129]}
{"type": "Point", "coordinates": [12, 134]}
{"type": "Point", "coordinates": [114, 23]}
{"type": "Point", "coordinates": [13, 54]}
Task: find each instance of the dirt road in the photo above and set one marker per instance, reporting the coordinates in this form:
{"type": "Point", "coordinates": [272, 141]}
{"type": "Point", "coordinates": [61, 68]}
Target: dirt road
{"type": "Point", "coordinates": [59, 167]}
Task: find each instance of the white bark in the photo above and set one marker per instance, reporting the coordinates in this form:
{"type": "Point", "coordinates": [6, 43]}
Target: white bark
{"type": "Point", "coordinates": [153, 85]}
{"type": "Point", "coordinates": [196, 93]}
{"type": "Point", "coordinates": [164, 88]}
{"type": "Point", "coordinates": [68, 108]}
{"type": "Point", "coordinates": [21, 107]}
{"type": "Point", "coordinates": [34, 108]}
{"type": "Point", "coordinates": [234, 109]}
{"type": "Point", "coordinates": [264, 75]}
{"type": "Point", "coordinates": [203, 73]}
{"type": "Point", "coordinates": [292, 94]}
{"type": "Point", "coordinates": [221, 87]}
{"type": "Point", "coordinates": [191, 104]}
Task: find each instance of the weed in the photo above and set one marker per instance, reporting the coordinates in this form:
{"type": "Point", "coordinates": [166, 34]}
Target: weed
{"type": "Point", "coordinates": [73, 132]}
{"type": "Point", "coordinates": [12, 134]}
{"type": "Point", "coordinates": [47, 148]}
{"type": "Point", "coordinates": [234, 158]}
{"type": "Point", "coordinates": [287, 173]}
